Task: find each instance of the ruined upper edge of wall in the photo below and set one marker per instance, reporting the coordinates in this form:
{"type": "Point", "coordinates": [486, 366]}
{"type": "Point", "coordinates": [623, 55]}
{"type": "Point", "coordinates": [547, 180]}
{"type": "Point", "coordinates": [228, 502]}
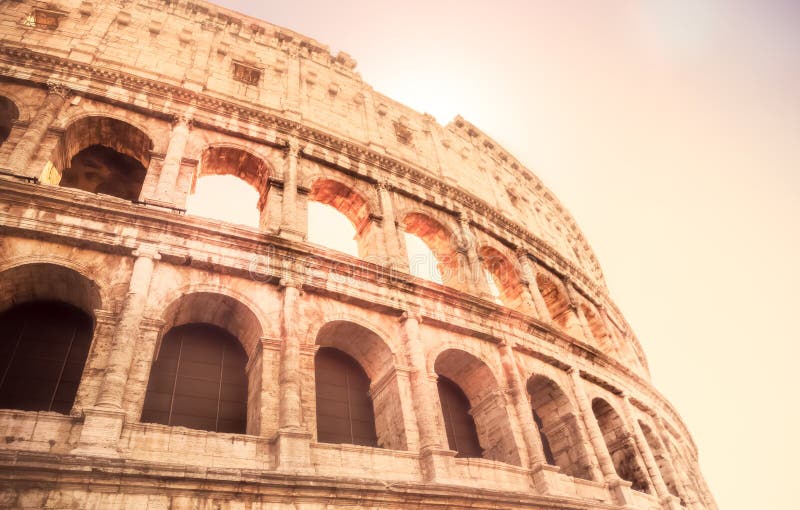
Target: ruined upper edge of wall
{"type": "Point", "coordinates": [195, 44]}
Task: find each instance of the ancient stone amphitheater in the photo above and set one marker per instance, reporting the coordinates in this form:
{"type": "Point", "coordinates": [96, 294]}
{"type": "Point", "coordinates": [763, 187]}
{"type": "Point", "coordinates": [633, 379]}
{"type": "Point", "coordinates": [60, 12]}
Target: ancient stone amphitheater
{"type": "Point", "coordinates": [154, 359]}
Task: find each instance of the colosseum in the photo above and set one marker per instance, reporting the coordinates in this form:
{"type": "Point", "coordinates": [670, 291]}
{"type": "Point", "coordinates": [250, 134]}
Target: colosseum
{"type": "Point", "coordinates": [156, 359]}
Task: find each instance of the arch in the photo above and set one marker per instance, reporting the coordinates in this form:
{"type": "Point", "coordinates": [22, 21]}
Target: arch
{"type": "Point", "coordinates": [620, 445]}
{"type": "Point", "coordinates": [353, 205]}
{"type": "Point", "coordinates": [598, 330]}
{"type": "Point", "coordinates": [659, 454]}
{"type": "Point", "coordinates": [238, 161]}
{"type": "Point", "coordinates": [487, 404]}
{"type": "Point", "coordinates": [234, 162]}
{"type": "Point", "coordinates": [558, 305]}
{"type": "Point", "coordinates": [442, 244]}
{"type": "Point", "coordinates": [9, 113]}
{"type": "Point", "coordinates": [372, 355]}
{"type": "Point", "coordinates": [47, 281]}
{"type": "Point", "coordinates": [198, 380]}
{"type": "Point", "coordinates": [558, 427]}
{"type": "Point", "coordinates": [506, 277]}
{"type": "Point", "coordinates": [344, 407]}
{"type": "Point", "coordinates": [224, 310]}
{"type": "Point", "coordinates": [101, 154]}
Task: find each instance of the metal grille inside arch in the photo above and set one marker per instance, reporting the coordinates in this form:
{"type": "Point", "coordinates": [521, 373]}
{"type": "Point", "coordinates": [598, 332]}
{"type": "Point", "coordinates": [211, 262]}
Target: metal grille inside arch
{"type": "Point", "coordinates": [198, 381]}
{"type": "Point", "coordinates": [43, 347]}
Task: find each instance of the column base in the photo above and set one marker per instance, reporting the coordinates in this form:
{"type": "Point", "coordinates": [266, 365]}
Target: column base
{"type": "Point", "coordinates": [619, 490]}
{"type": "Point", "coordinates": [291, 233]}
{"type": "Point", "coordinates": [293, 451]}
{"type": "Point", "coordinates": [437, 464]}
{"type": "Point", "coordinates": [101, 431]}
{"type": "Point", "coordinates": [671, 502]}
{"type": "Point", "coordinates": [543, 476]}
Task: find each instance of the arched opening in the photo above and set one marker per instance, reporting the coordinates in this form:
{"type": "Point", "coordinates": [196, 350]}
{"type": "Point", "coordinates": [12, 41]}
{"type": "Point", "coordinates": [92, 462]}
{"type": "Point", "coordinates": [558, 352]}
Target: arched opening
{"type": "Point", "coordinates": [344, 407]}
{"type": "Point", "coordinates": [338, 218]}
{"type": "Point", "coordinates": [43, 349]}
{"type": "Point", "coordinates": [558, 306]}
{"type": "Point", "coordinates": [504, 279]}
{"type": "Point", "coordinates": [462, 435]}
{"type": "Point", "coordinates": [438, 260]}
{"type": "Point", "coordinates": [620, 445]}
{"type": "Point", "coordinates": [598, 330]}
{"type": "Point", "coordinates": [198, 381]}
{"type": "Point", "coordinates": [659, 454]}
{"type": "Point", "coordinates": [558, 427]}
{"type": "Point", "coordinates": [485, 407]}
{"type": "Point", "coordinates": [9, 113]}
{"type": "Point", "coordinates": [230, 185]}
{"type": "Point", "coordinates": [373, 358]}
{"type": "Point", "coordinates": [101, 155]}
{"type": "Point", "coordinates": [208, 340]}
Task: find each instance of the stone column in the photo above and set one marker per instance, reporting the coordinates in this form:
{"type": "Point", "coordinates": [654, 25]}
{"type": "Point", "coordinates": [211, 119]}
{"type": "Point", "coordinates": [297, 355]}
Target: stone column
{"type": "Point", "coordinates": [667, 499]}
{"type": "Point", "coordinates": [394, 250]}
{"type": "Point", "coordinates": [168, 178]}
{"type": "Point", "coordinates": [435, 460]}
{"type": "Point", "coordinates": [127, 330]}
{"type": "Point", "coordinates": [291, 101]}
{"type": "Point", "coordinates": [475, 277]}
{"type": "Point", "coordinates": [372, 232]}
{"type": "Point", "coordinates": [684, 494]}
{"type": "Point", "coordinates": [289, 228]}
{"type": "Point", "coordinates": [92, 377]}
{"type": "Point", "coordinates": [27, 146]}
{"type": "Point", "coordinates": [574, 300]}
{"type": "Point", "coordinates": [103, 423]}
{"type": "Point", "coordinates": [293, 442]}
{"type": "Point", "coordinates": [529, 280]}
{"type": "Point", "coordinates": [530, 432]}
{"type": "Point", "coordinates": [596, 439]}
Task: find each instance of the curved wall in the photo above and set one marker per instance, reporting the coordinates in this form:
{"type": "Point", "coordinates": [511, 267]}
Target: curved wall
{"type": "Point", "coordinates": [188, 89]}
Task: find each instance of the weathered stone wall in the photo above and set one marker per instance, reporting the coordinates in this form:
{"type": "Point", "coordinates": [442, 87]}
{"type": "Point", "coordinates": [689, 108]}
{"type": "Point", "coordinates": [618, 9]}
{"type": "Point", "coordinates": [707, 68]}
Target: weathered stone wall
{"type": "Point", "coordinates": [168, 76]}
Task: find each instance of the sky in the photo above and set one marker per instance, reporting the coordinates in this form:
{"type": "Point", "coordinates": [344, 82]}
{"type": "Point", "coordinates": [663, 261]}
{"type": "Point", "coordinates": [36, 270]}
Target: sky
{"type": "Point", "coordinates": [671, 131]}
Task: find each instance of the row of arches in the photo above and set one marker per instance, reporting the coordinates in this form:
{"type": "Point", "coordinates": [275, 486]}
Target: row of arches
{"type": "Point", "coordinates": [106, 155]}
{"type": "Point", "coordinates": [199, 378]}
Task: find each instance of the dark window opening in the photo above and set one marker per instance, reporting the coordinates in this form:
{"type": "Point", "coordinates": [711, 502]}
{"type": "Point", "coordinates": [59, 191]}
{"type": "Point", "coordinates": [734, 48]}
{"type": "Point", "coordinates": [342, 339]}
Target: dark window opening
{"type": "Point", "coordinates": [43, 348]}
{"type": "Point", "coordinates": [548, 452]}
{"type": "Point", "coordinates": [100, 169]}
{"type": "Point", "coordinates": [245, 74]}
{"type": "Point", "coordinates": [9, 113]}
{"type": "Point", "coordinates": [462, 436]}
{"type": "Point", "coordinates": [43, 19]}
{"type": "Point", "coordinates": [344, 407]}
{"type": "Point", "coordinates": [198, 381]}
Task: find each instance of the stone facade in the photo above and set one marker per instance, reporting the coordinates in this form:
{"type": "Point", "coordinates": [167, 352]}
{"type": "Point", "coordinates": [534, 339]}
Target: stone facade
{"type": "Point", "coordinates": [176, 90]}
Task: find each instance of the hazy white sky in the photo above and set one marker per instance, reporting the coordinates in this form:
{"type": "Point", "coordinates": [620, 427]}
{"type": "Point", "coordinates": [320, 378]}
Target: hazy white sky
{"type": "Point", "coordinates": [671, 130]}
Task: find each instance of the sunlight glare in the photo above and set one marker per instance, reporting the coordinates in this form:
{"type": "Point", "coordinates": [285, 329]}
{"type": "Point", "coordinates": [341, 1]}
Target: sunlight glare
{"type": "Point", "coordinates": [421, 260]}
{"type": "Point", "coordinates": [225, 198]}
{"type": "Point", "coordinates": [330, 228]}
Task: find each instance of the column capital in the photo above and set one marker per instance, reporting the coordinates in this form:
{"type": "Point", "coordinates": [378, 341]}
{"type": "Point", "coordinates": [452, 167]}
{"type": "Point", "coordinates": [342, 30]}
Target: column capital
{"type": "Point", "coordinates": [292, 147]}
{"type": "Point", "coordinates": [149, 251]}
{"type": "Point", "coordinates": [412, 315]}
{"type": "Point", "coordinates": [59, 89]}
{"type": "Point", "coordinates": [291, 282]}
{"type": "Point", "coordinates": [382, 184]}
{"type": "Point", "coordinates": [182, 119]}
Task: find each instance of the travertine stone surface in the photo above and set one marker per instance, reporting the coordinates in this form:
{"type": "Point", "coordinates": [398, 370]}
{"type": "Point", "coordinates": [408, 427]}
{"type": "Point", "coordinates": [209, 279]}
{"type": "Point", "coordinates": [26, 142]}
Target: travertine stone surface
{"type": "Point", "coordinates": [188, 89]}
